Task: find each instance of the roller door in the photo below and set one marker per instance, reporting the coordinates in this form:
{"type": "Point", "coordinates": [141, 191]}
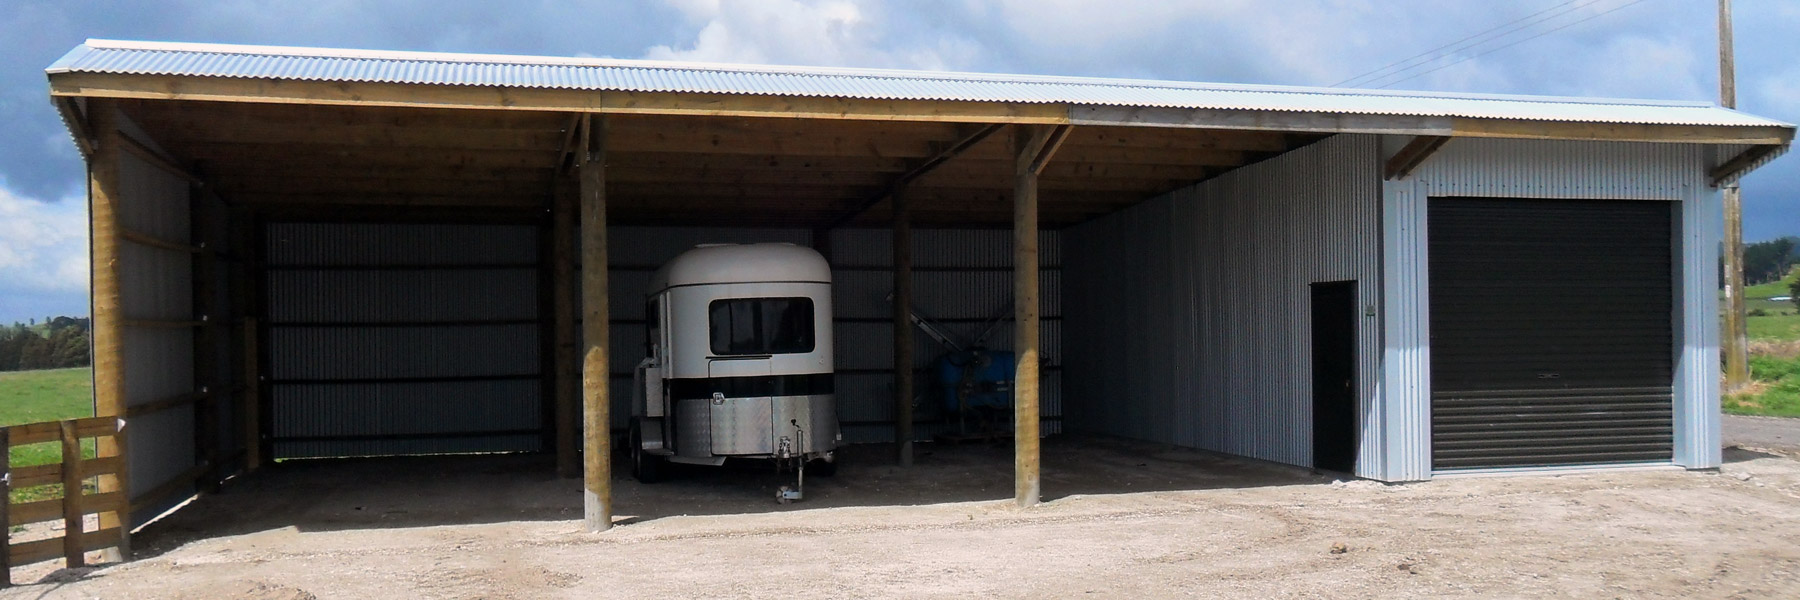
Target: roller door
{"type": "Point", "coordinates": [1551, 332]}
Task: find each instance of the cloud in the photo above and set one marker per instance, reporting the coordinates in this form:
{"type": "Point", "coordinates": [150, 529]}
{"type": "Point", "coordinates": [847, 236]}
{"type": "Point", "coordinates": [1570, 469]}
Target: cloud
{"type": "Point", "coordinates": [43, 256]}
{"type": "Point", "coordinates": [43, 245]}
{"type": "Point", "coordinates": [804, 32]}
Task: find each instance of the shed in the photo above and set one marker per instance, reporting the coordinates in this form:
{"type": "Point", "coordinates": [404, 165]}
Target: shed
{"type": "Point", "coordinates": [306, 252]}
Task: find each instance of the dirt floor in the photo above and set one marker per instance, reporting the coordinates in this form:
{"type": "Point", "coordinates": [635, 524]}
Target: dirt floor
{"type": "Point", "coordinates": [1127, 520]}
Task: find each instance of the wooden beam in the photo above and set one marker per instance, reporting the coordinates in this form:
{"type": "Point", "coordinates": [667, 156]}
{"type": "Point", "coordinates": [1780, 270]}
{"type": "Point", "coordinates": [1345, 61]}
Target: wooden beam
{"type": "Point", "coordinates": [1316, 122]}
{"type": "Point", "coordinates": [903, 328]}
{"type": "Point", "coordinates": [918, 170]}
{"type": "Point", "coordinates": [73, 116]}
{"type": "Point", "coordinates": [563, 215]}
{"type": "Point", "coordinates": [275, 200]}
{"type": "Point", "coordinates": [265, 90]}
{"type": "Point", "coordinates": [1031, 144]}
{"type": "Point", "coordinates": [1045, 153]}
{"type": "Point", "coordinates": [250, 156]}
{"type": "Point", "coordinates": [155, 242]}
{"type": "Point", "coordinates": [104, 196]}
{"type": "Point", "coordinates": [360, 184]}
{"type": "Point", "coordinates": [1414, 154]}
{"type": "Point", "coordinates": [156, 159]}
{"type": "Point", "coordinates": [1738, 165]}
{"type": "Point", "coordinates": [158, 113]}
{"type": "Point", "coordinates": [1622, 132]}
{"type": "Point", "coordinates": [565, 158]}
{"type": "Point", "coordinates": [595, 374]}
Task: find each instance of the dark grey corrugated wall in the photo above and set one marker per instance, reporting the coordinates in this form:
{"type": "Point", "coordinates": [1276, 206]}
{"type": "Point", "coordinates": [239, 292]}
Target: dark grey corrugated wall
{"type": "Point", "coordinates": [402, 339]}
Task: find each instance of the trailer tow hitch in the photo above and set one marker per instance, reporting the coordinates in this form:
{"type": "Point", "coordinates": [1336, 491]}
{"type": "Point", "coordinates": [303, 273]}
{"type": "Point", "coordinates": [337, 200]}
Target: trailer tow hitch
{"type": "Point", "coordinates": [785, 452]}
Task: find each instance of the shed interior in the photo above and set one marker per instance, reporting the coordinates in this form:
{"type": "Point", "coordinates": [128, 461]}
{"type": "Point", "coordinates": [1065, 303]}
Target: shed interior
{"type": "Point", "coordinates": [386, 274]}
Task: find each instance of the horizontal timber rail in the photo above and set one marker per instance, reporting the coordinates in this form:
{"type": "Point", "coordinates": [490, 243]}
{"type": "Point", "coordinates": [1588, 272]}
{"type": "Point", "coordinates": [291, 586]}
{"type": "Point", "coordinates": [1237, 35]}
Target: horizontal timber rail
{"type": "Point", "coordinates": [75, 503]}
{"type": "Point", "coordinates": [144, 239]}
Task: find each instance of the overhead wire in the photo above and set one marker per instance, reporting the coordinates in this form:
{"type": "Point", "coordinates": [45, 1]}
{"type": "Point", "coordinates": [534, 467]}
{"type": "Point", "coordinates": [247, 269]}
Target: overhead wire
{"type": "Point", "coordinates": [1471, 40]}
{"type": "Point", "coordinates": [1509, 45]}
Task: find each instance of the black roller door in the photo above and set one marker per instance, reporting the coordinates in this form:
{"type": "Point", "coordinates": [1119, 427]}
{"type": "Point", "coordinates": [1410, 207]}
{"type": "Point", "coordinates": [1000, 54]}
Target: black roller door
{"type": "Point", "coordinates": [1551, 332]}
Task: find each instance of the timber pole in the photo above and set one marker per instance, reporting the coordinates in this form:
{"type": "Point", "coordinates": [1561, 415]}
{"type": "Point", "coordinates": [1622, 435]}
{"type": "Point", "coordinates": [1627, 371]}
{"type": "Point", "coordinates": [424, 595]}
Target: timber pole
{"type": "Point", "coordinates": [1035, 145]}
{"type": "Point", "coordinates": [903, 331]}
{"type": "Point", "coordinates": [108, 322]}
{"type": "Point", "coordinates": [595, 371]}
{"type": "Point", "coordinates": [1027, 487]}
{"type": "Point", "coordinates": [567, 387]}
{"type": "Point", "coordinates": [1736, 337]}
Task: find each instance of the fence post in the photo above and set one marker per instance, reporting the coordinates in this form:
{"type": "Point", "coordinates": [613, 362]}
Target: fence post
{"type": "Point", "coordinates": [74, 555]}
{"type": "Point", "coordinates": [5, 507]}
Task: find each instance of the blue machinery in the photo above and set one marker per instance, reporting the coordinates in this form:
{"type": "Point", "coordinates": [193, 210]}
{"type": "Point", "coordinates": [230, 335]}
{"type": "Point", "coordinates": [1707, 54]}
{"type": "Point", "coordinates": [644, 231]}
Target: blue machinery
{"type": "Point", "coordinates": [973, 382]}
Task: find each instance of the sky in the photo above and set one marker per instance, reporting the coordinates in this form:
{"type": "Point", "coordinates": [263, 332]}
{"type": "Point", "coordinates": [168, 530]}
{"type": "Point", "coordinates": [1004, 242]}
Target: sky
{"type": "Point", "coordinates": [1663, 49]}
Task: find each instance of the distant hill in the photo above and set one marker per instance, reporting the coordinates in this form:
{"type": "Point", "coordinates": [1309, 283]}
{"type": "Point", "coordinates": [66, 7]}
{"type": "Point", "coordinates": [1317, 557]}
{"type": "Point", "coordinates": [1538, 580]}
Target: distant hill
{"type": "Point", "coordinates": [55, 343]}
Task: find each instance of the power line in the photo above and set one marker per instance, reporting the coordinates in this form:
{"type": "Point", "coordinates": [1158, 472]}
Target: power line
{"type": "Point", "coordinates": [1432, 54]}
{"type": "Point", "coordinates": [1469, 58]}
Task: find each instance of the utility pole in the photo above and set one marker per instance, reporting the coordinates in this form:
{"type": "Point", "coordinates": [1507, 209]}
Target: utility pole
{"type": "Point", "coordinates": [1736, 335]}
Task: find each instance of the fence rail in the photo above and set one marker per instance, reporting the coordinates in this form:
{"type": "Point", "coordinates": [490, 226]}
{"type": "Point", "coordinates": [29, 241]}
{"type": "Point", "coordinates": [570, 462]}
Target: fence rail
{"type": "Point", "coordinates": [75, 504]}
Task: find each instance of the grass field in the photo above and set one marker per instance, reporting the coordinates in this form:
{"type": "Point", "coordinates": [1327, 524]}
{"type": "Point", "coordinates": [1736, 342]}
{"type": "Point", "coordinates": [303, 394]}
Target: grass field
{"type": "Point", "coordinates": [1774, 353]}
{"type": "Point", "coordinates": [36, 396]}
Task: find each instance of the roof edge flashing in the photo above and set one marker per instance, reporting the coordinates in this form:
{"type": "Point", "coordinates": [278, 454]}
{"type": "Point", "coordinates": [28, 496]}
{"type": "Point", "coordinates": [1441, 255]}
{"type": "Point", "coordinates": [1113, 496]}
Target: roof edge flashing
{"type": "Point", "coordinates": [62, 65]}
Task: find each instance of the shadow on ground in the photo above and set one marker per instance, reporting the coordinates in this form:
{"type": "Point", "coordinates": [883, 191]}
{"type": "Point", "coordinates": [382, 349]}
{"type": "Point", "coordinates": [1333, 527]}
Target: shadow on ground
{"type": "Point", "coordinates": [1738, 454]}
{"type": "Point", "coordinates": [373, 493]}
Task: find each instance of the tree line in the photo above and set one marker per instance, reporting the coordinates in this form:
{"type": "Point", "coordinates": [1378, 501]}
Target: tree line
{"type": "Point", "coordinates": [59, 342]}
{"type": "Point", "coordinates": [1770, 260]}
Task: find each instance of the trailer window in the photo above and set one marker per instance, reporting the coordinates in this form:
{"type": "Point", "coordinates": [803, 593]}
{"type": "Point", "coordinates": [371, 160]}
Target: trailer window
{"type": "Point", "coordinates": [752, 326]}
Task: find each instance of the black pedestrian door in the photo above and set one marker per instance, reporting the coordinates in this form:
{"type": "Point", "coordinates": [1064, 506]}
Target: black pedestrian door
{"type": "Point", "coordinates": [1334, 375]}
{"type": "Point", "coordinates": [1552, 336]}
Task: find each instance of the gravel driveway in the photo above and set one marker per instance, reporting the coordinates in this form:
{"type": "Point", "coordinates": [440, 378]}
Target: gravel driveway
{"type": "Point", "coordinates": [1772, 433]}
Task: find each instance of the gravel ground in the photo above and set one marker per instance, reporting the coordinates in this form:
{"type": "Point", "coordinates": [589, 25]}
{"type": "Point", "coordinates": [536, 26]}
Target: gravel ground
{"type": "Point", "coordinates": [1208, 527]}
{"type": "Point", "coordinates": [1781, 434]}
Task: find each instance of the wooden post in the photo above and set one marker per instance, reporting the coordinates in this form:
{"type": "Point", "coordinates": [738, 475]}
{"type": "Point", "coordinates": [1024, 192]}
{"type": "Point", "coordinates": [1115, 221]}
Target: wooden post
{"type": "Point", "coordinates": [108, 322]}
{"type": "Point", "coordinates": [562, 290]}
{"type": "Point", "coordinates": [1736, 337]}
{"type": "Point", "coordinates": [595, 369]}
{"type": "Point", "coordinates": [252, 407]}
{"type": "Point", "coordinates": [903, 329]}
{"type": "Point", "coordinates": [73, 553]}
{"type": "Point", "coordinates": [1026, 476]}
{"type": "Point", "coordinates": [1035, 146]}
{"type": "Point", "coordinates": [5, 507]}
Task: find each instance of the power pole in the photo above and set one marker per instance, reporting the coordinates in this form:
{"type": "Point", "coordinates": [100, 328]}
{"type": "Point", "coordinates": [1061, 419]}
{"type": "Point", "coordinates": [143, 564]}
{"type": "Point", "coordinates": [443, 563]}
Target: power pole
{"type": "Point", "coordinates": [1736, 336]}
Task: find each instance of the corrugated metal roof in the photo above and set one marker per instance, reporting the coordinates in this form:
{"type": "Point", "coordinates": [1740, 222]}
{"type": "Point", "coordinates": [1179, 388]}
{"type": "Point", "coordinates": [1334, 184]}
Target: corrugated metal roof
{"type": "Point", "coordinates": [600, 74]}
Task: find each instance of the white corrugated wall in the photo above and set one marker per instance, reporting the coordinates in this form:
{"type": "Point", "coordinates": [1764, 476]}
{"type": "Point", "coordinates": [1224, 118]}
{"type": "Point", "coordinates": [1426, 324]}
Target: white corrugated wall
{"type": "Point", "coordinates": [1186, 312]}
{"type": "Point", "coordinates": [156, 284]}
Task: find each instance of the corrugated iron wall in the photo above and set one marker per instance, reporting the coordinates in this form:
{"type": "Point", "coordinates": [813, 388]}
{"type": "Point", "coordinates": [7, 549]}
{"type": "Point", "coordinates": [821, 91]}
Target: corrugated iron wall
{"type": "Point", "coordinates": [402, 339]}
{"type": "Point", "coordinates": [962, 280]}
{"type": "Point", "coordinates": [1187, 312]}
{"type": "Point", "coordinates": [156, 284]}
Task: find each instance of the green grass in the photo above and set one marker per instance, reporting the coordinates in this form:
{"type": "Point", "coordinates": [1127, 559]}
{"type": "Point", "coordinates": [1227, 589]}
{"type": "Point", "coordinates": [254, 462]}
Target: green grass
{"type": "Point", "coordinates": [38, 396]}
{"type": "Point", "coordinates": [1774, 327]}
{"type": "Point", "coordinates": [1776, 387]}
{"type": "Point", "coordinates": [1774, 353]}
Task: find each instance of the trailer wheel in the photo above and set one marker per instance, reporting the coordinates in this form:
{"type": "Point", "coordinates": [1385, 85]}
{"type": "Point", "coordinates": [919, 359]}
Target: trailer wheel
{"type": "Point", "coordinates": [645, 467]}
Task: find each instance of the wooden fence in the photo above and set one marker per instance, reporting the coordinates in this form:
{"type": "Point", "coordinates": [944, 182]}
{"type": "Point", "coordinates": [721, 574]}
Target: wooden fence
{"type": "Point", "coordinates": [74, 505]}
